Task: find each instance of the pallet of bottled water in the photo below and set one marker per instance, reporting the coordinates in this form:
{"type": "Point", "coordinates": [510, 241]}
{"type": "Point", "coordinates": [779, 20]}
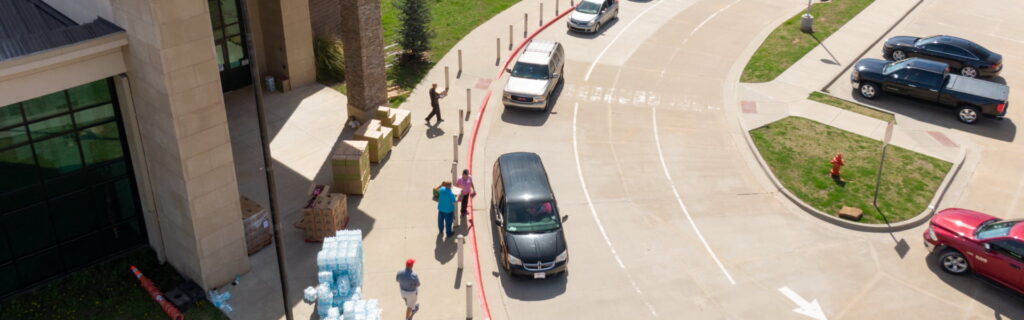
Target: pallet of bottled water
{"type": "Point", "coordinates": [340, 277]}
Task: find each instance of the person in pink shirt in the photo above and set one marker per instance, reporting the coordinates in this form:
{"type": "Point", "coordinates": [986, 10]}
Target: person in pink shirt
{"type": "Point", "coordinates": [468, 190]}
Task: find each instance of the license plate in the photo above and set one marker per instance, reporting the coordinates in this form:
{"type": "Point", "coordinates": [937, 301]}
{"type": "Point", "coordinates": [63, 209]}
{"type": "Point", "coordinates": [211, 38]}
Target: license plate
{"type": "Point", "coordinates": [539, 275]}
{"type": "Point", "coordinates": [521, 99]}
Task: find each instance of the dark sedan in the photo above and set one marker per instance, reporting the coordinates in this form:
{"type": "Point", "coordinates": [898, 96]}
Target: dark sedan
{"type": "Point", "coordinates": [971, 59]}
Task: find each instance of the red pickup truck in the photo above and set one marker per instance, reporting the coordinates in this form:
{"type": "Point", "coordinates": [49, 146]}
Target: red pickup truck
{"type": "Point", "coordinates": [973, 241]}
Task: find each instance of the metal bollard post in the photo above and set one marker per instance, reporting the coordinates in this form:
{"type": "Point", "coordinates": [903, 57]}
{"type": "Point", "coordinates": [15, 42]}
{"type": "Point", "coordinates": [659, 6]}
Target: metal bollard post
{"type": "Point", "coordinates": [455, 152]}
{"type": "Point", "coordinates": [458, 75]}
{"type": "Point", "coordinates": [572, 3]}
{"type": "Point", "coordinates": [498, 47]}
{"type": "Point", "coordinates": [510, 37]}
{"type": "Point", "coordinates": [556, 7]}
{"type": "Point", "coordinates": [469, 104]}
{"type": "Point", "coordinates": [469, 300]}
{"type": "Point", "coordinates": [461, 241]}
{"type": "Point", "coordinates": [455, 167]}
{"type": "Point", "coordinates": [540, 20]}
{"type": "Point", "coordinates": [462, 120]}
{"type": "Point", "coordinates": [446, 78]}
{"type": "Point", "coordinates": [526, 17]}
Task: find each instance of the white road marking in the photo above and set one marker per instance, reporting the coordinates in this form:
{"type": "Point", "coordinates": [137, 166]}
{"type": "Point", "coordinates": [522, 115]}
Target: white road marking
{"type": "Point", "coordinates": [664, 166]}
{"type": "Point", "coordinates": [593, 211]}
{"type": "Point", "coordinates": [592, 65]}
{"type": "Point", "coordinates": [811, 309]}
{"type": "Point", "coordinates": [701, 25]}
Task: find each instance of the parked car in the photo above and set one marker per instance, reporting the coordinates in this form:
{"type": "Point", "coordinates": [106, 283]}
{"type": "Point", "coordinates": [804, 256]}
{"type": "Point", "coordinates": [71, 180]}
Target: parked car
{"type": "Point", "coordinates": [537, 72]}
{"type": "Point", "coordinates": [971, 59]}
{"type": "Point", "coordinates": [527, 217]}
{"type": "Point", "coordinates": [931, 81]}
{"type": "Point", "coordinates": [590, 15]}
{"type": "Point", "coordinates": [973, 241]}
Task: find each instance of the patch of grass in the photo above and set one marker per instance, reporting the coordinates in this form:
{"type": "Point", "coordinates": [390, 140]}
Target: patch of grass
{"type": "Point", "coordinates": [798, 151]}
{"type": "Point", "coordinates": [851, 106]}
{"type": "Point", "coordinates": [105, 291]}
{"type": "Point", "coordinates": [786, 44]}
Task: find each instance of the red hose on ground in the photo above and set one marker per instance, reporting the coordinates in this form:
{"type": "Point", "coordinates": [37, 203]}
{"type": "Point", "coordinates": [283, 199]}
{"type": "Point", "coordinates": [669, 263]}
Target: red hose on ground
{"type": "Point", "coordinates": [157, 296]}
{"type": "Point", "coordinates": [472, 145]}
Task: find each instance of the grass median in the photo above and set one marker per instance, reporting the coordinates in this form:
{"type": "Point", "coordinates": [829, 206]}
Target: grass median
{"type": "Point", "coordinates": [105, 291]}
{"type": "Point", "coordinates": [851, 106]}
{"type": "Point", "coordinates": [786, 44]}
{"type": "Point", "coordinates": [798, 151]}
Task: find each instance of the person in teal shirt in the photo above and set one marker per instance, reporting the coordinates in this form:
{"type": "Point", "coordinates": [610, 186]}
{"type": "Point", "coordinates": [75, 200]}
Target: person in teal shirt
{"type": "Point", "coordinates": [445, 209]}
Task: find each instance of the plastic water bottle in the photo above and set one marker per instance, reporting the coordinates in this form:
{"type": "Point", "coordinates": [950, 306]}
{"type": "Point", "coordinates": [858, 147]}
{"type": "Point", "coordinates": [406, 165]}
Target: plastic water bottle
{"type": "Point", "coordinates": [309, 295]}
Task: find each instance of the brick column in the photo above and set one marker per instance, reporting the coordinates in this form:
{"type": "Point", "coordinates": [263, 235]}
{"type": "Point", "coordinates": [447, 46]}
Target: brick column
{"type": "Point", "coordinates": [363, 39]}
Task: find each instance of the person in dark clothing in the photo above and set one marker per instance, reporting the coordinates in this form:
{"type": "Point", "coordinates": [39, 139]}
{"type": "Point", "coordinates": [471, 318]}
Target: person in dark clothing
{"type": "Point", "coordinates": [435, 107]}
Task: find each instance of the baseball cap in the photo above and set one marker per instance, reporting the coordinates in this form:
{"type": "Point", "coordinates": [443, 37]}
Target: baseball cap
{"type": "Point", "coordinates": [409, 263]}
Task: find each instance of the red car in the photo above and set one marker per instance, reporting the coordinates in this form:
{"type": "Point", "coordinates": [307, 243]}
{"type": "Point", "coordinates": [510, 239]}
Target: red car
{"type": "Point", "coordinates": [969, 240]}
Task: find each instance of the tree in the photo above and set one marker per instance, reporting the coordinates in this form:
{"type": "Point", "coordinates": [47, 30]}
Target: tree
{"type": "Point", "coordinates": [414, 34]}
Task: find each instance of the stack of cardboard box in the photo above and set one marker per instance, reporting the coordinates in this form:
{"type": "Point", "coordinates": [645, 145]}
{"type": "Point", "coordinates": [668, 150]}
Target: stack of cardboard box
{"type": "Point", "coordinates": [350, 166]}
{"type": "Point", "coordinates": [256, 219]}
{"type": "Point", "coordinates": [397, 119]}
{"type": "Point", "coordinates": [324, 216]}
{"type": "Point", "coordinates": [380, 139]}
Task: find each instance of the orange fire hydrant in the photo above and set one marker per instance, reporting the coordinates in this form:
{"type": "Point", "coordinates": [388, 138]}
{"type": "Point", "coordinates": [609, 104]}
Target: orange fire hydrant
{"type": "Point", "coordinates": [837, 162]}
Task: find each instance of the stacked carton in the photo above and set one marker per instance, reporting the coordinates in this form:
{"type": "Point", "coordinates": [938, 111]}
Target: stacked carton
{"type": "Point", "coordinates": [380, 139]}
{"type": "Point", "coordinates": [338, 295]}
{"type": "Point", "coordinates": [324, 216]}
{"type": "Point", "coordinates": [397, 119]}
{"type": "Point", "coordinates": [256, 220]}
{"type": "Point", "coordinates": [350, 166]}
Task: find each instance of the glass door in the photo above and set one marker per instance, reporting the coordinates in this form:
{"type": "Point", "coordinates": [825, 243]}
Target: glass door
{"type": "Point", "coordinates": [229, 44]}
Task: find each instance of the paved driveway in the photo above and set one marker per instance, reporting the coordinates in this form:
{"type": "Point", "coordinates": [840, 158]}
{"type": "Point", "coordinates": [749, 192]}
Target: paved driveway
{"type": "Point", "coordinates": [668, 215]}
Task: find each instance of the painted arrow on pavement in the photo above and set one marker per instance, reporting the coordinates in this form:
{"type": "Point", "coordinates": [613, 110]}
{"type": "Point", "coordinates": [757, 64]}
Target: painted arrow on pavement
{"type": "Point", "coordinates": [811, 309]}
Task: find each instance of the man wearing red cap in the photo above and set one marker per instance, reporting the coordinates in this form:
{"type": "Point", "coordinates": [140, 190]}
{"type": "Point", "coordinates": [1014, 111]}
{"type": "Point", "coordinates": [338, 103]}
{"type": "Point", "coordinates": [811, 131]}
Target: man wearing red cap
{"type": "Point", "coordinates": [409, 284]}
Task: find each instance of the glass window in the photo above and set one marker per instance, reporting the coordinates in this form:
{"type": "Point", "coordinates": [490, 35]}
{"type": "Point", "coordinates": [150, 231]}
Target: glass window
{"type": "Point", "coordinates": [229, 11]}
{"type": "Point", "coordinates": [95, 115]}
{"type": "Point", "coordinates": [1011, 248]}
{"type": "Point", "coordinates": [5, 251]}
{"type": "Point", "coordinates": [215, 13]}
{"type": "Point", "coordinates": [83, 251]}
{"type": "Point", "coordinates": [47, 105]}
{"type": "Point", "coordinates": [8, 278]}
{"type": "Point", "coordinates": [220, 55]}
{"type": "Point", "coordinates": [106, 172]}
{"type": "Point", "coordinates": [530, 71]}
{"type": "Point", "coordinates": [26, 196]}
{"type": "Point", "coordinates": [123, 236]}
{"type": "Point", "coordinates": [538, 216]}
{"type": "Point", "coordinates": [17, 168]}
{"type": "Point", "coordinates": [101, 143]}
{"type": "Point", "coordinates": [58, 155]}
{"type": "Point", "coordinates": [39, 267]}
{"type": "Point", "coordinates": [218, 33]}
{"type": "Point", "coordinates": [235, 51]}
{"type": "Point", "coordinates": [232, 30]}
{"type": "Point", "coordinates": [588, 7]}
{"type": "Point", "coordinates": [125, 198]}
{"type": "Point", "coordinates": [994, 228]}
{"type": "Point", "coordinates": [10, 115]}
{"type": "Point", "coordinates": [42, 129]}
{"type": "Point", "coordinates": [925, 77]}
{"type": "Point", "coordinates": [29, 230]}
{"type": "Point", "coordinates": [13, 136]}
{"type": "Point", "coordinates": [89, 94]}
{"type": "Point", "coordinates": [73, 215]}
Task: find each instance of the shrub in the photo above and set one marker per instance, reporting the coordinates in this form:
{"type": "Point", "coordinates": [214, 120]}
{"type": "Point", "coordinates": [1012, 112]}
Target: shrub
{"type": "Point", "coordinates": [414, 34]}
{"type": "Point", "coordinates": [330, 60]}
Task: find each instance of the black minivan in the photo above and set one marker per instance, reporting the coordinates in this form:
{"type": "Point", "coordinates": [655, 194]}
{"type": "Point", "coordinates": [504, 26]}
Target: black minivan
{"type": "Point", "coordinates": [527, 217]}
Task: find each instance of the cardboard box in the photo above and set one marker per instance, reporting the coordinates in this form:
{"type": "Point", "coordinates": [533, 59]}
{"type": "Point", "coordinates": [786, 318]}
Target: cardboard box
{"type": "Point", "coordinates": [256, 221]}
{"type": "Point", "coordinates": [386, 115]}
{"type": "Point", "coordinates": [402, 123]}
{"type": "Point", "coordinates": [328, 214]}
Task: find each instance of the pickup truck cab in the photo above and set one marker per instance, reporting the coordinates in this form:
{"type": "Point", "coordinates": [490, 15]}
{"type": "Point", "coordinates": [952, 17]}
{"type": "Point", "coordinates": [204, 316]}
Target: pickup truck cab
{"type": "Point", "coordinates": [931, 81]}
{"type": "Point", "coordinates": [969, 241]}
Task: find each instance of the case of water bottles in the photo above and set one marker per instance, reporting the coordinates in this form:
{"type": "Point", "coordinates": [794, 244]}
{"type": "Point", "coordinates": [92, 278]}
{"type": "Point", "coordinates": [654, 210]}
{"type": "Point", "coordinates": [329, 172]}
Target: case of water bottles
{"type": "Point", "coordinates": [340, 277]}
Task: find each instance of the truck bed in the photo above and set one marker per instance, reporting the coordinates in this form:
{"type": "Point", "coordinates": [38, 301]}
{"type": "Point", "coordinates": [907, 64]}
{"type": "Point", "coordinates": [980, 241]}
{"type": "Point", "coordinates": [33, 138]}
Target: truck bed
{"type": "Point", "coordinates": [978, 88]}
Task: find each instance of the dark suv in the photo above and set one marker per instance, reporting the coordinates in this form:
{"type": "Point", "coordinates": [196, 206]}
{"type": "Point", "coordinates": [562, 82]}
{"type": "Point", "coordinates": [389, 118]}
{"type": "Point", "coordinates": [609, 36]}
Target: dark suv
{"type": "Point", "coordinates": [527, 217]}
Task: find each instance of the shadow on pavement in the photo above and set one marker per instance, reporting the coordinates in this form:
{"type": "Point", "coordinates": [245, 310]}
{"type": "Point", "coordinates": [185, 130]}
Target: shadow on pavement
{"type": "Point", "coordinates": [444, 248]}
{"type": "Point", "coordinates": [434, 131]}
{"type": "Point", "coordinates": [521, 288]}
{"type": "Point", "coordinates": [1006, 303]}
{"type": "Point", "coordinates": [1005, 129]}
{"type": "Point", "coordinates": [599, 32]}
{"type": "Point", "coordinates": [534, 118]}
{"type": "Point", "coordinates": [358, 219]}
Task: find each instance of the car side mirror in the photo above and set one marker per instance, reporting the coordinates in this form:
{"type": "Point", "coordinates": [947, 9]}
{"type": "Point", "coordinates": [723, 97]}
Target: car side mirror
{"type": "Point", "coordinates": [555, 75]}
{"type": "Point", "coordinates": [509, 70]}
{"type": "Point", "coordinates": [497, 220]}
{"type": "Point", "coordinates": [988, 246]}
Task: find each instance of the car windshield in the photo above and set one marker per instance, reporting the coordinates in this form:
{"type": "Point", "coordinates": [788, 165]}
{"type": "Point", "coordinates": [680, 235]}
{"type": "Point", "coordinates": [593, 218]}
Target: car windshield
{"type": "Point", "coordinates": [588, 8]}
{"type": "Point", "coordinates": [889, 68]}
{"type": "Point", "coordinates": [530, 71]}
{"type": "Point", "coordinates": [994, 228]}
{"type": "Point", "coordinates": [536, 216]}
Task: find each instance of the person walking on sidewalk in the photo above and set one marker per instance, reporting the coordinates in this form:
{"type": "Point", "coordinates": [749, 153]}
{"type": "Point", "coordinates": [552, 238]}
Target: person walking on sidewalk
{"type": "Point", "coordinates": [468, 190]}
{"type": "Point", "coordinates": [435, 107]}
{"type": "Point", "coordinates": [409, 284]}
{"type": "Point", "coordinates": [445, 209]}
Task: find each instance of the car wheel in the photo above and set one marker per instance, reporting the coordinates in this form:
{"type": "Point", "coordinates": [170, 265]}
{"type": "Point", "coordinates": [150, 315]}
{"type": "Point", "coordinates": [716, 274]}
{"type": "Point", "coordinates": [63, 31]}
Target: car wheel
{"type": "Point", "coordinates": [954, 262]}
{"type": "Point", "coordinates": [969, 71]}
{"type": "Point", "coordinates": [899, 55]}
{"type": "Point", "coordinates": [616, 16]}
{"type": "Point", "coordinates": [968, 114]}
{"type": "Point", "coordinates": [868, 90]}
{"type": "Point", "coordinates": [598, 28]}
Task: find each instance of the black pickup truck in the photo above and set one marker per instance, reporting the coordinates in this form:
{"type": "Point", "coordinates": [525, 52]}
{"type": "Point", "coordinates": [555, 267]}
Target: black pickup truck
{"type": "Point", "coordinates": [931, 81]}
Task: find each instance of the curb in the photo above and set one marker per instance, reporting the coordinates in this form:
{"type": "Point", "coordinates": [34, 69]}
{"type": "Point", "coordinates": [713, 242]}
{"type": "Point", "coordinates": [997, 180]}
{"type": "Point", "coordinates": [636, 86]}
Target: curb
{"type": "Point", "coordinates": [852, 225]}
{"type": "Point", "coordinates": [829, 94]}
